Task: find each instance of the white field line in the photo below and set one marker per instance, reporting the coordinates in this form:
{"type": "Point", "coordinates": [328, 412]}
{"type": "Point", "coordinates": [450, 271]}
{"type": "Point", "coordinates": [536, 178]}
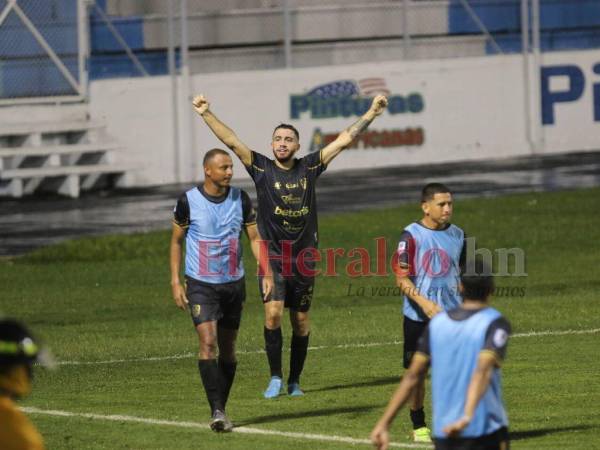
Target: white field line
{"type": "Point", "coordinates": [244, 430]}
{"type": "Point", "coordinates": [322, 347]}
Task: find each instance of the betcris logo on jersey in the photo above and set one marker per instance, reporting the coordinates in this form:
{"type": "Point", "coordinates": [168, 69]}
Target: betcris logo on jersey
{"type": "Point", "coordinates": [347, 98]}
{"type": "Point", "coordinates": [566, 83]}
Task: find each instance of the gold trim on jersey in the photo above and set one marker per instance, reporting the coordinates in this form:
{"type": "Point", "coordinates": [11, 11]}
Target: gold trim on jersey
{"type": "Point", "coordinates": [496, 356]}
{"type": "Point", "coordinates": [320, 162]}
{"type": "Point", "coordinates": [180, 225]}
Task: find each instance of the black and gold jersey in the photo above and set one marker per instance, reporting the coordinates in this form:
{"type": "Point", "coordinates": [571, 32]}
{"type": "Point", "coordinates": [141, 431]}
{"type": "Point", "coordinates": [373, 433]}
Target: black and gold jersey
{"type": "Point", "coordinates": [287, 206]}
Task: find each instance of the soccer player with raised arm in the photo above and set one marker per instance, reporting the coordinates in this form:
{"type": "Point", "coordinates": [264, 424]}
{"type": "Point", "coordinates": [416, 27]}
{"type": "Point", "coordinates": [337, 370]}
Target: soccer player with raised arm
{"type": "Point", "coordinates": [287, 219]}
{"type": "Point", "coordinates": [430, 253]}
{"type": "Point", "coordinates": [465, 348]}
{"type": "Point", "coordinates": [210, 218]}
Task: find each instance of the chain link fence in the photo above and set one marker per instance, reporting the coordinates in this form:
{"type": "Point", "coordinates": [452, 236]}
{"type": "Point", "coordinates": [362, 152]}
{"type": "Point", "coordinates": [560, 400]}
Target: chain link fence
{"type": "Point", "coordinates": [43, 43]}
{"type": "Point", "coordinates": [41, 49]}
{"type": "Point", "coordinates": [232, 35]}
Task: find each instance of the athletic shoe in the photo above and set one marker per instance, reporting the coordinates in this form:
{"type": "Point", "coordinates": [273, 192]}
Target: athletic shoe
{"type": "Point", "coordinates": [219, 422]}
{"type": "Point", "coordinates": [294, 390]}
{"type": "Point", "coordinates": [274, 388]}
{"type": "Point", "coordinates": [422, 434]}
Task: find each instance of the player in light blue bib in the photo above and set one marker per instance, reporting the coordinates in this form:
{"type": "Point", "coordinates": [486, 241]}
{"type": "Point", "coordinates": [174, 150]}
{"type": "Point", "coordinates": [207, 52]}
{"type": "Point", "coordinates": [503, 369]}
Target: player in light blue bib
{"type": "Point", "coordinates": [211, 218]}
{"type": "Point", "coordinates": [429, 255]}
{"type": "Point", "coordinates": [465, 347]}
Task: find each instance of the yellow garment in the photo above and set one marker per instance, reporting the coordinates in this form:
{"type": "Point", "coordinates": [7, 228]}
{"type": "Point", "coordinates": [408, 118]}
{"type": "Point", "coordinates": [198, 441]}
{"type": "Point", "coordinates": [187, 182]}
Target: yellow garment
{"type": "Point", "coordinates": [16, 381]}
{"type": "Point", "coordinates": [16, 431]}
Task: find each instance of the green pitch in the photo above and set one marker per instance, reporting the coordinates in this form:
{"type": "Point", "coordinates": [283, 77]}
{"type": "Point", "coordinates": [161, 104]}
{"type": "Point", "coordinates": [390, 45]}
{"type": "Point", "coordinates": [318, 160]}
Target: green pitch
{"type": "Point", "coordinates": [108, 299]}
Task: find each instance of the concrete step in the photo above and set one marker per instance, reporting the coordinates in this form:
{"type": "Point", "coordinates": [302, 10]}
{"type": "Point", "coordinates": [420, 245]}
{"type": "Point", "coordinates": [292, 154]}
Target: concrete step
{"type": "Point", "coordinates": [59, 149]}
{"type": "Point", "coordinates": [18, 129]}
{"type": "Point", "coordinates": [38, 172]}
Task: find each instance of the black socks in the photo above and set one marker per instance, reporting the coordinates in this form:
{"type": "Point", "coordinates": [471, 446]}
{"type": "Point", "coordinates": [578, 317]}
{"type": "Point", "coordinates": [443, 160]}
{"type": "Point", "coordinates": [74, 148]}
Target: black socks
{"type": "Point", "coordinates": [418, 418]}
{"type": "Point", "coordinates": [227, 374]}
{"type": "Point", "coordinates": [273, 344]}
{"type": "Point", "coordinates": [299, 349]}
{"type": "Point", "coordinates": [209, 372]}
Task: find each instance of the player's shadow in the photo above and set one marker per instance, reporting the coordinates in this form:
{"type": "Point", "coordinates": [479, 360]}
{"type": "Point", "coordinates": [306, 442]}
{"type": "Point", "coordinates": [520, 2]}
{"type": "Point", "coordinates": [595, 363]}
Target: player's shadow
{"type": "Point", "coordinates": [370, 383]}
{"type": "Point", "coordinates": [518, 435]}
{"type": "Point", "coordinates": [306, 414]}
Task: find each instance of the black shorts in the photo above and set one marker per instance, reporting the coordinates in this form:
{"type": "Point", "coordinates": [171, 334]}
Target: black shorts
{"type": "Point", "coordinates": [296, 291]}
{"type": "Point", "coordinates": [412, 332]}
{"type": "Point", "coordinates": [216, 302]}
{"type": "Point", "coordinates": [498, 440]}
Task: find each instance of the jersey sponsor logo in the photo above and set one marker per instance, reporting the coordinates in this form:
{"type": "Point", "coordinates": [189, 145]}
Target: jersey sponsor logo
{"type": "Point", "coordinates": [290, 228]}
{"type": "Point", "coordinates": [302, 183]}
{"type": "Point", "coordinates": [346, 98]}
{"type": "Point", "coordinates": [292, 212]}
{"type": "Point", "coordinates": [291, 200]}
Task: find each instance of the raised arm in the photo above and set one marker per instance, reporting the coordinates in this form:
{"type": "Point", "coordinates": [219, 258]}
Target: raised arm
{"type": "Point", "coordinates": [346, 137]}
{"type": "Point", "coordinates": [225, 134]}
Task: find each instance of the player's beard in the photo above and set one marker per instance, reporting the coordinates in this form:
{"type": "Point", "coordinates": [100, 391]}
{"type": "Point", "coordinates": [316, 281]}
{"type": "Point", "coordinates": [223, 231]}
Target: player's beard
{"type": "Point", "coordinates": [283, 159]}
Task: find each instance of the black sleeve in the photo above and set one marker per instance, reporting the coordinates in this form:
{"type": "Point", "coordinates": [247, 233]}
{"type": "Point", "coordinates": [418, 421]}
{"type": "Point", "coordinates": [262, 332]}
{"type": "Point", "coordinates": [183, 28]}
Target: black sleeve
{"type": "Point", "coordinates": [496, 338]}
{"type": "Point", "coordinates": [181, 212]}
{"type": "Point", "coordinates": [314, 164]}
{"type": "Point", "coordinates": [247, 209]}
{"type": "Point", "coordinates": [257, 166]}
{"type": "Point", "coordinates": [406, 250]}
{"type": "Point", "coordinates": [463, 255]}
{"type": "Point", "coordinates": [423, 343]}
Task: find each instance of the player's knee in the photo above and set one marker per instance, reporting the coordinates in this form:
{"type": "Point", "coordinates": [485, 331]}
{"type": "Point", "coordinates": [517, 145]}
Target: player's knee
{"type": "Point", "coordinates": [301, 325]}
{"type": "Point", "coordinates": [208, 348]}
{"type": "Point", "coordinates": [273, 317]}
{"type": "Point", "coordinates": [272, 321]}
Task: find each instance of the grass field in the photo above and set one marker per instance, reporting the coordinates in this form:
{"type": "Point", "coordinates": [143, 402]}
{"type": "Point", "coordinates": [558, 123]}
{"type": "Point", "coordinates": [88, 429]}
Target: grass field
{"type": "Point", "coordinates": [103, 306]}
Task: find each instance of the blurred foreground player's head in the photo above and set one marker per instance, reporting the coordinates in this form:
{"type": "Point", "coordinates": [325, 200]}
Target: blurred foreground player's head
{"type": "Point", "coordinates": [18, 352]}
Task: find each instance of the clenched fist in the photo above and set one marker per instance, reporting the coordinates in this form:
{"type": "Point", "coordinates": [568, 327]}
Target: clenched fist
{"type": "Point", "coordinates": [200, 104]}
{"type": "Point", "coordinates": [379, 104]}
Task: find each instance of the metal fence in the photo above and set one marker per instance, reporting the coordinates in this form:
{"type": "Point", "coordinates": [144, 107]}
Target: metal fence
{"type": "Point", "coordinates": [44, 43]}
{"type": "Point", "coordinates": [43, 46]}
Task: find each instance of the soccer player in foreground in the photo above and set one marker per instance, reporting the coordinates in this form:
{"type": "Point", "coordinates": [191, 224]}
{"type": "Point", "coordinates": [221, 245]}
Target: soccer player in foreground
{"type": "Point", "coordinates": [18, 352]}
{"type": "Point", "coordinates": [430, 253]}
{"type": "Point", "coordinates": [211, 218]}
{"type": "Point", "coordinates": [465, 347]}
{"type": "Point", "coordinates": [287, 219]}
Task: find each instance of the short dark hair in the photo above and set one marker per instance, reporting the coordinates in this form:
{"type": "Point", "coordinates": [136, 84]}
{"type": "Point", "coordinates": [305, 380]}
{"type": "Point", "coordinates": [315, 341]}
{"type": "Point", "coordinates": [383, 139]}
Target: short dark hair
{"type": "Point", "coordinates": [211, 154]}
{"type": "Point", "coordinates": [287, 126]}
{"type": "Point", "coordinates": [477, 280]}
{"type": "Point", "coordinates": [431, 189]}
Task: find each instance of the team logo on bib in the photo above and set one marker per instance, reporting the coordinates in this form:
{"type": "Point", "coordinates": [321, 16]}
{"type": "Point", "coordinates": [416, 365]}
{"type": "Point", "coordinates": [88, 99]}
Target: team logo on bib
{"type": "Point", "coordinates": [500, 337]}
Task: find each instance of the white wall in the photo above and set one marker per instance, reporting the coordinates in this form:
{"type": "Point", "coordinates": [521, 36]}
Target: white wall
{"type": "Point", "coordinates": [474, 108]}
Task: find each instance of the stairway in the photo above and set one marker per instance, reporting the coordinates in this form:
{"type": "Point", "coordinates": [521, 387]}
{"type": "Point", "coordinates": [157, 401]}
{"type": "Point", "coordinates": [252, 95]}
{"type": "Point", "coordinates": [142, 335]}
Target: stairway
{"type": "Point", "coordinates": [63, 157]}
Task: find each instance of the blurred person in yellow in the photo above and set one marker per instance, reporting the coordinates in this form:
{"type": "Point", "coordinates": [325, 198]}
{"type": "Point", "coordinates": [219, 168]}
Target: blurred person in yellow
{"type": "Point", "coordinates": [18, 352]}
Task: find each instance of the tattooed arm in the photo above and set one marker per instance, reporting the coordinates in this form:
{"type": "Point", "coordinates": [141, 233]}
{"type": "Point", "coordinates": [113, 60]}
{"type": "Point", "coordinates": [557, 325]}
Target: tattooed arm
{"type": "Point", "coordinates": [346, 137]}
